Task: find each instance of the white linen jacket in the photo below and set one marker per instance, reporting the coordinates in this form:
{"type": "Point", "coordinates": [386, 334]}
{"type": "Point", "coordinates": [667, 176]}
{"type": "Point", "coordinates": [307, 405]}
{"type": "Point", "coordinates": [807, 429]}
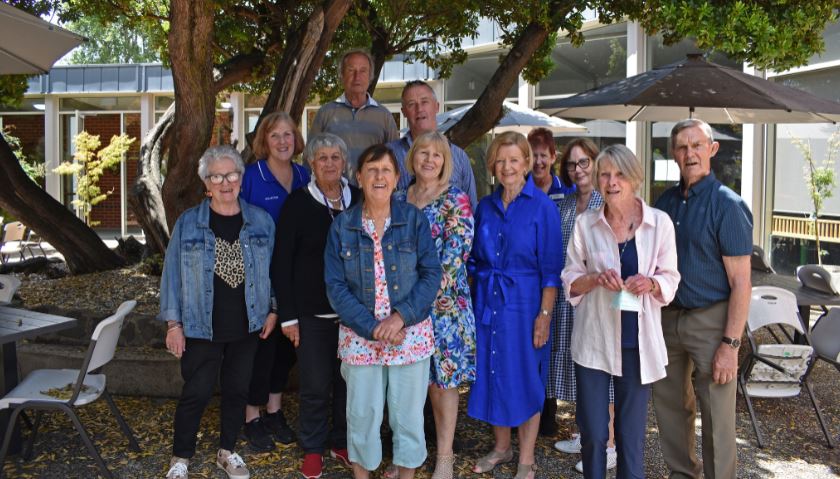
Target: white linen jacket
{"type": "Point", "coordinates": [596, 333]}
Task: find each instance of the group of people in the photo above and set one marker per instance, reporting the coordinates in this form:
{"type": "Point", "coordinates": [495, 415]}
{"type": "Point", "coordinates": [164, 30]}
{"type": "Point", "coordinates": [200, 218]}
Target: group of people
{"type": "Point", "coordinates": [380, 272]}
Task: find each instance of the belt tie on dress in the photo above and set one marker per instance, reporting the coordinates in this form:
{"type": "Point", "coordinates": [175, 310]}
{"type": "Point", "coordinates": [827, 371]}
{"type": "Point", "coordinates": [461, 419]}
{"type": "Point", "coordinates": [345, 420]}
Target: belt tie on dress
{"type": "Point", "coordinates": [506, 279]}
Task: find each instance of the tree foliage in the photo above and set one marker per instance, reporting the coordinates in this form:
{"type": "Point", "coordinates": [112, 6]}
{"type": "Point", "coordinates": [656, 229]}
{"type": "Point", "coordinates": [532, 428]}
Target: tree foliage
{"type": "Point", "coordinates": [34, 170]}
{"type": "Point", "coordinates": [88, 166]}
{"type": "Point", "coordinates": [114, 42]}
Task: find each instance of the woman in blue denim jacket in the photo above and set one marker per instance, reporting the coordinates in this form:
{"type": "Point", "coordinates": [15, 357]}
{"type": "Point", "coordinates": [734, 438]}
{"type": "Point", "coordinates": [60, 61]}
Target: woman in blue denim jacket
{"type": "Point", "coordinates": [382, 274]}
{"type": "Point", "coordinates": [215, 297]}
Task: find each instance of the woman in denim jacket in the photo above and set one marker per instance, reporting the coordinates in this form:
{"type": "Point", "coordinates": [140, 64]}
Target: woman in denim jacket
{"type": "Point", "coordinates": [382, 274]}
{"type": "Point", "coordinates": [215, 297]}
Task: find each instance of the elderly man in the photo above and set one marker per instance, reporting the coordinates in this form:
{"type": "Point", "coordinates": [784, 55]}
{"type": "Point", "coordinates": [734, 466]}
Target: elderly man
{"type": "Point", "coordinates": [703, 325]}
{"type": "Point", "coordinates": [419, 105]}
{"type": "Point", "coordinates": [355, 116]}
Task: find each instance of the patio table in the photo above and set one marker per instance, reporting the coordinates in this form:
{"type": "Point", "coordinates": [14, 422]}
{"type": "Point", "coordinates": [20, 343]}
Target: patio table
{"type": "Point", "coordinates": [16, 324]}
{"type": "Point", "coordinates": [805, 297]}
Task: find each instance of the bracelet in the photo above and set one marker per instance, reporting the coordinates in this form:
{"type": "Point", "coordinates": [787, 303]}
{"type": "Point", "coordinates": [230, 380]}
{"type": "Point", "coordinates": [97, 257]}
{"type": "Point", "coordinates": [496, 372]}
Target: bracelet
{"type": "Point", "coordinates": [177, 326]}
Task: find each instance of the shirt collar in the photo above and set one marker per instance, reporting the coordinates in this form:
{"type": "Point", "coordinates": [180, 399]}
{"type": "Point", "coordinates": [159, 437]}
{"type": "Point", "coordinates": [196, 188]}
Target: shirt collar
{"type": "Point", "coordinates": [701, 186]}
{"type": "Point", "coordinates": [369, 102]}
{"type": "Point", "coordinates": [647, 213]}
{"type": "Point", "coordinates": [319, 195]}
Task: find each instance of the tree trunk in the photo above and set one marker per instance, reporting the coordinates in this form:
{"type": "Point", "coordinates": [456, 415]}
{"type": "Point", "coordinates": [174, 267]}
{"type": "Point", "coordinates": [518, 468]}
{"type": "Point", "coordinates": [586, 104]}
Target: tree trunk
{"type": "Point", "coordinates": [302, 58]}
{"type": "Point", "coordinates": [191, 54]}
{"type": "Point", "coordinates": [487, 110]}
{"type": "Point", "coordinates": [83, 250]}
{"type": "Point", "coordinates": [379, 51]}
{"type": "Point", "coordinates": [145, 198]}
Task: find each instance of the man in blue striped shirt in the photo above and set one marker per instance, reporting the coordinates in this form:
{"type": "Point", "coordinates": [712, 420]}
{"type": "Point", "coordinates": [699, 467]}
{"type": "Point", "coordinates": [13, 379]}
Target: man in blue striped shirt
{"type": "Point", "coordinates": [420, 107]}
{"type": "Point", "coordinates": [703, 326]}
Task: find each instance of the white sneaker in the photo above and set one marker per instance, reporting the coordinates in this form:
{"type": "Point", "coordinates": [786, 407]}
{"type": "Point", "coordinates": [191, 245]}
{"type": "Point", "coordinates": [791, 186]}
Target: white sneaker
{"type": "Point", "coordinates": [612, 460]}
{"type": "Point", "coordinates": [177, 468]}
{"type": "Point", "coordinates": [569, 446]}
{"type": "Point", "coordinates": [232, 464]}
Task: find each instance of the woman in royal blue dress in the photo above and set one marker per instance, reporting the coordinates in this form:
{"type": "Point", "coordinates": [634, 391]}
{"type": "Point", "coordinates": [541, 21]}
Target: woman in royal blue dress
{"type": "Point", "coordinates": [515, 267]}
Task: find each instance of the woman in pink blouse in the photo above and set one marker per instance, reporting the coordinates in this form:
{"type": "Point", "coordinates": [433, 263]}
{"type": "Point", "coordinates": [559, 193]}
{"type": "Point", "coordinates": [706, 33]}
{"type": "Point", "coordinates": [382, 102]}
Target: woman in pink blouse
{"type": "Point", "coordinates": [621, 270]}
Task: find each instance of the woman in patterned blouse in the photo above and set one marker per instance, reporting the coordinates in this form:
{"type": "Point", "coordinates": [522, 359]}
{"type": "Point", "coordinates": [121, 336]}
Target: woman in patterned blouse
{"type": "Point", "coordinates": [382, 274]}
{"type": "Point", "coordinates": [450, 217]}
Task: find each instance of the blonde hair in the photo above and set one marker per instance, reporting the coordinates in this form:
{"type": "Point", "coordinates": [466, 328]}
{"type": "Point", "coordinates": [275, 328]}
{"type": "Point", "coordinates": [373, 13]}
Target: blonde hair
{"type": "Point", "coordinates": [505, 139]}
{"type": "Point", "coordinates": [625, 161]}
{"type": "Point", "coordinates": [437, 140]}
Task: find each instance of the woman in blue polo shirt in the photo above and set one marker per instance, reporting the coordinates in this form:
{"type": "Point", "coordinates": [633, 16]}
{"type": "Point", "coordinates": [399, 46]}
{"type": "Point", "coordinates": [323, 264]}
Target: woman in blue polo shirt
{"type": "Point", "coordinates": [267, 183]}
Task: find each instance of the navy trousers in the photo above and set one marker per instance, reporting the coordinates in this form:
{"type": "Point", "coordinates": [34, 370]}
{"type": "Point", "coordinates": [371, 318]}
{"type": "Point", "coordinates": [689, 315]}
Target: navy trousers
{"type": "Point", "coordinates": [593, 417]}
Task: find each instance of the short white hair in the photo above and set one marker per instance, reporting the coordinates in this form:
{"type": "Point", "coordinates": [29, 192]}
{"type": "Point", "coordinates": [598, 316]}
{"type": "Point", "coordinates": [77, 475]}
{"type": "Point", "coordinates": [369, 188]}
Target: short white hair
{"type": "Point", "coordinates": [217, 153]}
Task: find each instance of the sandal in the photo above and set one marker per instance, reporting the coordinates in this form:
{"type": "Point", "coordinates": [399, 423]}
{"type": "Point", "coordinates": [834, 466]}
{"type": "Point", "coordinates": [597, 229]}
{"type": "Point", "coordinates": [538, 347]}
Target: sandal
{"type": "Point", "coordinates": [490, 461]}
{"type": "Point", "coordinates": [526, 471]}
{"type": "Point", "coordinates": [392, 471]}
{"type": "Point", "coordinates": [444, 466]}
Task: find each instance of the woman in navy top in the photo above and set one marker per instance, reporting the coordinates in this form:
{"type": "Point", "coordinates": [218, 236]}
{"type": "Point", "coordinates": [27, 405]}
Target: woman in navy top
{"type": "Point", "coordinates": [515, 267]}
{"type": "Point", "coordinates": [267, 183]}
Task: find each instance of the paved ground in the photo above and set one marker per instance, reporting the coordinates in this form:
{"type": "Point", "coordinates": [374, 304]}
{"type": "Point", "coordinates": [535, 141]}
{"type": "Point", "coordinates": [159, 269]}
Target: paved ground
{"type": "Point", "coordinates": [795, 449]}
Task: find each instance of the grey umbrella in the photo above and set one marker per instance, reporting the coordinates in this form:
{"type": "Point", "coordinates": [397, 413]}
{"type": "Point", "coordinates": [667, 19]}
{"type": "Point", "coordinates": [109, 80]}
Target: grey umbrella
{"type": "Point", "coordinates": [514, 118]}
{"type": "Point", "coordinates": [29, 44]}
{"type": "Point", "coordinates": [695, 87]}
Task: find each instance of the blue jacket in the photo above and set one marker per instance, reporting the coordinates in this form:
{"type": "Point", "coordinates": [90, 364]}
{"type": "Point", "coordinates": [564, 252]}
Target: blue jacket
{"type": "Point", "coordinates": [412, 267]}
{"type": "Point", "coordinates": [186, 286]}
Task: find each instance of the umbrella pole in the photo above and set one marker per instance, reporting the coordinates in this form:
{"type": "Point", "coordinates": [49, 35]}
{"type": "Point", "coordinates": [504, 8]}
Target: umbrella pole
{"type": "Point", "coordinates": [690, 112]}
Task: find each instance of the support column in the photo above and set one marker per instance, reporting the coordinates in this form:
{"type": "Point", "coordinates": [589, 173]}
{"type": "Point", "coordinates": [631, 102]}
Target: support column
{"type": "Point", "coordinates": [52, 146]}
{"type": "Point", "coordinates": [147, 114]}
{"type": "Point", "coordinates": [637, 139]}
{"type": "Point", "coordinates": [753, 186]}
{"type": "Point", "coordinates": [437, 87]}
{"type": "Point", "coordinates": [526, 93]}
{"type": "Point", "coordinates": [237, 121]}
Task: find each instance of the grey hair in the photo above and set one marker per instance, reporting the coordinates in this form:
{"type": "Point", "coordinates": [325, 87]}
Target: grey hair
{"type": "Point", "coordinates": [323, 140]}
{"type": "Point", "coordinates": [217, 153]}
{"type": "Point", "coordinates": [356, 51]}
{"type": "Point", "coordinates": [691, 123]}
{"type": "Point", "coordinates": [625, 161]}
{"type": "Point", "coordinates": [417, 83]}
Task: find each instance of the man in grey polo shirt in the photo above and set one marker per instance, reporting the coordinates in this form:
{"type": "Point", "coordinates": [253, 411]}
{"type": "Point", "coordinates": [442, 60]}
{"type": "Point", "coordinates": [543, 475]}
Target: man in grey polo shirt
{"type": "Point", "coordinates": [355, 116]}
{"type": "Point", "coordinates": [420, 107]}
{"type": "Point", "coordinates": [703, 326]}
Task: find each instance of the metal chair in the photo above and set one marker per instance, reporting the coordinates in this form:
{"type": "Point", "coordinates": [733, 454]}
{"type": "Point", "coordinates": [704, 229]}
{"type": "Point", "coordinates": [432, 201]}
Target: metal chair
{"type": "Point", "coordinates": [758, 260]}
{"type": "Point", "coordinates": [8, 286]}
{"type": "Point", "coordinates": [41, 389]}
{"type": "Point", "coordinates": [13, 238]}
{"type": "Point", "coordinates": [776, 370]}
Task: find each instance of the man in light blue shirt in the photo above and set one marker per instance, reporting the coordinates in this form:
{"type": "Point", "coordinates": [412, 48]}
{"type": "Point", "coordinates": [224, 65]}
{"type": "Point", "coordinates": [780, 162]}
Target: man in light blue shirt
{"type": "Point", "coordinates": [420, 107]}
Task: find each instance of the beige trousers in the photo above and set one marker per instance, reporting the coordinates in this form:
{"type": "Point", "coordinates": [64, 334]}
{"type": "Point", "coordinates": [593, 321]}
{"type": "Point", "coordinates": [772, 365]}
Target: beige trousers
{"type": "Point", "coordinates": [692, 337]}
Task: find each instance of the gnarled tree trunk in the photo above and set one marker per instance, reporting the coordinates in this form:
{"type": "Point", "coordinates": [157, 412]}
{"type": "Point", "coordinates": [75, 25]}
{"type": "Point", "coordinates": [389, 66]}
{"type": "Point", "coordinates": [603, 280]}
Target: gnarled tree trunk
{"type": "Point", "coordinates": [145, 198]}
{"type": "Point", "coordinates": [190, 50]}
{"type": "Point", "coordinates": [83, 250]}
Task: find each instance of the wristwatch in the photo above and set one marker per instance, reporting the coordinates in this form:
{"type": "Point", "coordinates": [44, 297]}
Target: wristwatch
{"type": "Point", "coordinates": [733, 343]}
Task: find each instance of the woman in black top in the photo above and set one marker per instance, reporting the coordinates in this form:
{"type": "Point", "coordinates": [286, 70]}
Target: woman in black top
{"type": "Point", "coordinates": [304, 312]}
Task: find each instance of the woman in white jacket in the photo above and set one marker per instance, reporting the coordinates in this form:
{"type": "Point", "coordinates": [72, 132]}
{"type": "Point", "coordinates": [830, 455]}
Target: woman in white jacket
{"type": "Point", "coordinates": [621, 270]}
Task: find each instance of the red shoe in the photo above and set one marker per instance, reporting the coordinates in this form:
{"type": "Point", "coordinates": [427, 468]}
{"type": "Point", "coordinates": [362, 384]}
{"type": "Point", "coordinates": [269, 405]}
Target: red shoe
{"type": "Point", "coordinates": [341, 456]}
{"type": "Point", "coordinates": [312, 465]}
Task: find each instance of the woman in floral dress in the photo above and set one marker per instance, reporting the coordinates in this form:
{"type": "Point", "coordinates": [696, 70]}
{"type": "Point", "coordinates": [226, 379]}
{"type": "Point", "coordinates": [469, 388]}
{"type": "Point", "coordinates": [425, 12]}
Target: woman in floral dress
{"type": "Point", "coordinates": [451, 220]}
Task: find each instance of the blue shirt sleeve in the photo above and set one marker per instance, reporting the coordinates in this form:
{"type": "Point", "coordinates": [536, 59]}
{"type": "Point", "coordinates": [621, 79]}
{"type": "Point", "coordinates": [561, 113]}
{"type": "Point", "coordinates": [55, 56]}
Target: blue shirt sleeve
{"type": "Point", "coordinates": [548, 232]}
{"type": "Point", "coordinates": [735, 228]}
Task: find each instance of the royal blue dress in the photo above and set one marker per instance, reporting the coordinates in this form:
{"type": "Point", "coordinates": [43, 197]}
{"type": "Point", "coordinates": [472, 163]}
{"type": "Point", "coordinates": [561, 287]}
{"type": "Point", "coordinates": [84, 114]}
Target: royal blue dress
{"type": "Point", "coordinates": [514, 257]}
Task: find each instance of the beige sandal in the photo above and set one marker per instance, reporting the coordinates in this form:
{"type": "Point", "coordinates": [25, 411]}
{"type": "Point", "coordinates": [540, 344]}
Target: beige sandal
{"type": "Point", "coordinates": [490, 461]}
{"type": "Point", "coordinates": [526, 471]}
{"type": "Point", "coordinates": [444, 466]}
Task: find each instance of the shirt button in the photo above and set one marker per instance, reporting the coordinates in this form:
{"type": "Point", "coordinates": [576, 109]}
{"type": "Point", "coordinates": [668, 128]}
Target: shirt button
{"type": "Point", "coordinates": [389, 248]}
{"type": "Point", "coordinates": [494, 293]}
{"type": "Point", "coordinates": [497, 253]}
{"type": "Point", "coordinates": [494, 313]}
{"type": "Point", "coordinates": [678, 223]}
{"type": "Point", "coordinates": [494, 352]}
{"type": "Point", "coordinates": [683, 201]}
{"type": "Point", "coordinates": [396, 287]}
{"type": "Point", "coordinates": [393, 267]}
{"type": "Point", "coordinates": [348, 254]}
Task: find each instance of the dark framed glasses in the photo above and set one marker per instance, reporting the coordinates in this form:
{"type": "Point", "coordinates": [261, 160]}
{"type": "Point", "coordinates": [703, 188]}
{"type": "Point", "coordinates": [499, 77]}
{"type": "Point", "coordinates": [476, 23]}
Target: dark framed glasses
{"type": "Point", "coordinates": [583, 163]}
{"type": "Point", "coordinates": [217, 179]}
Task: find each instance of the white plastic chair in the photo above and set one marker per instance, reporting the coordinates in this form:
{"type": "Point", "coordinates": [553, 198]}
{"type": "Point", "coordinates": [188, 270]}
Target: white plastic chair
{"type": "Point", "coordinates": [13, 241]}
{"type": "Point", "coordinates": [776, 370]}
{"type": "Point", "coordinates": [33, 391]}
{"type": "Point", "coordinates": [8, 286]}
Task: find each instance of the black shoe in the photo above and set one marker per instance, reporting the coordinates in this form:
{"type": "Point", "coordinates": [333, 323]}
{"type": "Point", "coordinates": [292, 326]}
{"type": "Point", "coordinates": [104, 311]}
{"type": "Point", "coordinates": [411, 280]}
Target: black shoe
{"type": "Point", "coordinates": [259, 439]}
{"type": "Point", "coordinates": [276, 425]}
{"type": "Point", "coordinates": [548, 419]}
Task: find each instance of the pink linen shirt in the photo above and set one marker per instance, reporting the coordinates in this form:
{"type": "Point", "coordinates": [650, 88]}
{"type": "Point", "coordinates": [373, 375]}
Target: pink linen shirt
{"type": "Point", "coordinates": [596, 333]}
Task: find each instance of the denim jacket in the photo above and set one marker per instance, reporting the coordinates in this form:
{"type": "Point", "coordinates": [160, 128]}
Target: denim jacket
{"type": "Point", "coordinates": [412, 267]}
{"type": "Point", "coordinates": [186, 286]}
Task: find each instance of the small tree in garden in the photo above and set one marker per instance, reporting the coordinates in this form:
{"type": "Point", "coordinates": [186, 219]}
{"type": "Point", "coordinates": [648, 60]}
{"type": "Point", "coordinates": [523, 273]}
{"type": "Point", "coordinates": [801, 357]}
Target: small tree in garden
{"type": "Point", "coordinates": [89, 165]}
{"type": "Point", "coordinates": [821, 180]}
{"type": "Point", "coordinates": [33, 170]}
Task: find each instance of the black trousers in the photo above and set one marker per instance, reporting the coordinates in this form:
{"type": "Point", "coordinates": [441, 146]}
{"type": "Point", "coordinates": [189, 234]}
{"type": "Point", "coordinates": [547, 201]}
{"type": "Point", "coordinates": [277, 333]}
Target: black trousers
{"type": "Point", "coordinates": [272, 363]}
{"type": "Point", "coordinates": [320, 384]}
{"type": "Point", "coordinates": [201, 365]}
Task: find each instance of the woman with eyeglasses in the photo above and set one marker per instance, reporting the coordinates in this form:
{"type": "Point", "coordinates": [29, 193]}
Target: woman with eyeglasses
{"type": "Point", "coordinates": [215, 297]}
{"type": "Point", "coordinates": [267, 183]}
{"type": "Point", "coordinates": [577, 163]}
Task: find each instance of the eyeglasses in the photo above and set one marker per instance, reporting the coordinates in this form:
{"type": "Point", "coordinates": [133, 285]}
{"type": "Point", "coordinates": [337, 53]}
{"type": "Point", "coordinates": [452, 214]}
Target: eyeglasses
{"type": "Point", "coordinates": [217, 179]}
{"type": "Point", "coordinates": [583, 163]}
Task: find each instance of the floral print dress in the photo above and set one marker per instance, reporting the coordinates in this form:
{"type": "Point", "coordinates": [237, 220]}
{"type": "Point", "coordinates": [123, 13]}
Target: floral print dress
{"type": "Point", "coordinates": [451, 220]}
{"type": "Point", "coordinates": [358, 351]}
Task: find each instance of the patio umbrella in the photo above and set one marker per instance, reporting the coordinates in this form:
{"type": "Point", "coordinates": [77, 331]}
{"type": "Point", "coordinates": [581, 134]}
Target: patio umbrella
{"type": "Point", "coordinates": [695, 87]}
{"type": "Point", "coordinates": [29, 44]}
{"type": "Point", "coordinates": [616, 129]}
{"type": "Point", "coordinates": [514, 118]}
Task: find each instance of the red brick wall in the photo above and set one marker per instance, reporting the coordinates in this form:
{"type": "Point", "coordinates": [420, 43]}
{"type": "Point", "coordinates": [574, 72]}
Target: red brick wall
{"type": "Point", "coordinates": [108, 212]}
{"type": "Point", "coordinates": [30, 130]}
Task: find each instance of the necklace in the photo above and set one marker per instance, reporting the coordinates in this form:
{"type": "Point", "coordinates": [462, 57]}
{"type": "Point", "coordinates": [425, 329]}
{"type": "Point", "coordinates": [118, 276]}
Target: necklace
{"type": "Point", "coordinates": [624, 247]}
{"type": "Point", "coordinates": [327, 201]}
